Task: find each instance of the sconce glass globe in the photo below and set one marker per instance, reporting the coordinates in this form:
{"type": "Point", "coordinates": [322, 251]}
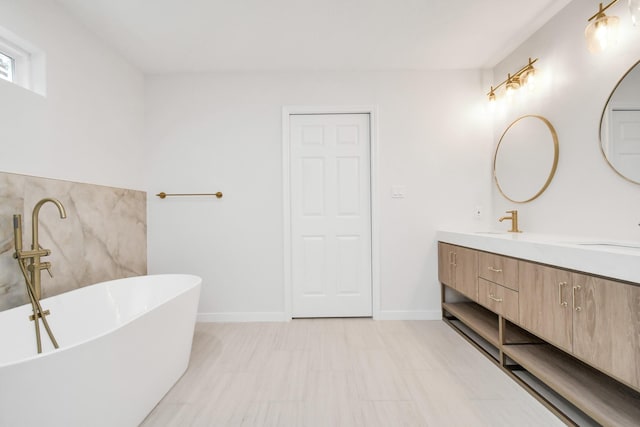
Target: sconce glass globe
{"type": "Point", "coordinates": [529, 78]}
{"type": "Point", "coordinates": [513, 84]}
{"type": "Point", "coordinates": [491, 106]}
{"type": "Point", "coordinates": [602, 33]}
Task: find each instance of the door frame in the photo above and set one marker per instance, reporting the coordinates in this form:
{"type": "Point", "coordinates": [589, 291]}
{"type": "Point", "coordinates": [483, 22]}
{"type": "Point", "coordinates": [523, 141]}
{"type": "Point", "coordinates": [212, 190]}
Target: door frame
{"type": "Point", "coordinates": [287, 112]}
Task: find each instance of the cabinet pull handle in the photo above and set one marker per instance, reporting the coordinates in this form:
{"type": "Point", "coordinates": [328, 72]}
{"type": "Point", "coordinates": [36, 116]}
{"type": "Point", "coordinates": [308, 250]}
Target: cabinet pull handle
{"type": "Point", "coordinates": [560, 285]}
{"type": "Point", "coordinates": [492, 297]}
{"type": "Point", "coordinates": [495, 270]}
{"type": "Point", "coordinates": [455, 259]}
{"type": "Point", "coordinates": [575, 307]}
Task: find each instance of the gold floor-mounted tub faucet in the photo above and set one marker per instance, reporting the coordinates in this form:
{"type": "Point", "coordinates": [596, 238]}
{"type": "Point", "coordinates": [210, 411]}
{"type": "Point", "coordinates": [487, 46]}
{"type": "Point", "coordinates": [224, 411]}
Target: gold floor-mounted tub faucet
{"type": "Point", "coordinates": [514, 221]}
{"type": "Point", "coordinates": [31, 265]}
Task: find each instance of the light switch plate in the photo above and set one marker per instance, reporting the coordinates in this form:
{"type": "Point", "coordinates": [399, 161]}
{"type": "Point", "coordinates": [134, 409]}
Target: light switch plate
{"type": "Point", "coordinates": [398, 191]}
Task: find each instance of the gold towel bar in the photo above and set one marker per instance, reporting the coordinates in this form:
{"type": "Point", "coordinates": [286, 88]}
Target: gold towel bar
{"type": "Point", "coordinates": [162, 195]}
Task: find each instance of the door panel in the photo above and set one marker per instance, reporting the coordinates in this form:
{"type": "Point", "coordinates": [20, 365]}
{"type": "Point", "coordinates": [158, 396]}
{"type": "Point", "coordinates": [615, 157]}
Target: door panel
{"type": "Point", "coordinates": [445, 264]}
{"type": "Point", "coordinates": [313, 186]}
{"type": "Point", "coordinates": [545, 303]}
{"type": "Point", "coordinates": [314, 258]}
{"type": "Point", "coordinates": [348, 186]}
{"type": "Point", "coordinates": [330, 215]}
{"type": "Point", "coordinates": [606, 326]}
{"type": "Point", "coordinates": [349, 265]}
{"type": "Point", "coordinates": [466, 271]}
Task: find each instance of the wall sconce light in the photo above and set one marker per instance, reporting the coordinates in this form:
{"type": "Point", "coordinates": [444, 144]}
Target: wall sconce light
{"type": "Point", "coordinates": [524, 77]}
{"type": "Point", "coordinates": [513, 84]}
{"type": "Point", "coordinates": [602, 30]}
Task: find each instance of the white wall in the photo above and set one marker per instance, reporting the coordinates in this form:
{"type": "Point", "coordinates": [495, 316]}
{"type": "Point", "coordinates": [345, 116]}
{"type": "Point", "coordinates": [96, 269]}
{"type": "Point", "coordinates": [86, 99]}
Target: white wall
{"type": "Point", "coordinates": [89, 127]}
{"type": "Point", "coordinates": [222, 132]}
{"type": "Point", "coordinates": [586, 197]}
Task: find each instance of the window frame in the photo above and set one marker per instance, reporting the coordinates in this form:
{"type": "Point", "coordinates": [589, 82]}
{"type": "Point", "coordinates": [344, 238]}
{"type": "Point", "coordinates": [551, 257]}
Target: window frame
{"type": "Point", "coordinates": [21, 63]}
{"type": "Point", "coordinates": [10, 73]}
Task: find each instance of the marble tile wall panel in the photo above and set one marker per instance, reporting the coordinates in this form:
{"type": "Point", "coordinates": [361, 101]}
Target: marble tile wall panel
{"type": "Point", "coordinates": [104, 236]}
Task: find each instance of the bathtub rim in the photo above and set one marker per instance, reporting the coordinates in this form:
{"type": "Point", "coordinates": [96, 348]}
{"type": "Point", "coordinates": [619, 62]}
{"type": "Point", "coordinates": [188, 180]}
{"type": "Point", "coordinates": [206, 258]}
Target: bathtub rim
{"type": "Point", "coordinates": [197, 282]}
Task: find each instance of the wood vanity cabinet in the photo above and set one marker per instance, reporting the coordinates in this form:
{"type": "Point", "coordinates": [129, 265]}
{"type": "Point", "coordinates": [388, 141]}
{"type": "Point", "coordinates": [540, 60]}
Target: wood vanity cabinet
{"type": "Point", "coordinates": [606, 326]}
{"type": "Point", "coordinates": [445, 263]}
{"type": "Point", "coordinates": [576, 333]}
{"type": "Point", "coordinates": [595, 319]}
{"type": "Point", "coordinates": [458, 269]}
{"type": "Point", "coordinates": [544, 302]}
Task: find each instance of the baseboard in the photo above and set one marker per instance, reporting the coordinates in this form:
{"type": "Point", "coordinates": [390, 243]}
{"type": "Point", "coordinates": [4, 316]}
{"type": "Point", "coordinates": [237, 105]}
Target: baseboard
{"type": "Point", "coordinates": [281, 317]}
{"type": "Point", "coordinates": [242, 317]}
{"type": "Point", "coordinates": [410, 315]}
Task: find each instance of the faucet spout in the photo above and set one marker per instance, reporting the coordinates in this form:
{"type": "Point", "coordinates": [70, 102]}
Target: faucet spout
{"type": "Point", "coordinates": [514, 221]}
{"type": "Point", "coordinates": [36, 266]}
{"type": "Point", "coordinates": [35, 219]}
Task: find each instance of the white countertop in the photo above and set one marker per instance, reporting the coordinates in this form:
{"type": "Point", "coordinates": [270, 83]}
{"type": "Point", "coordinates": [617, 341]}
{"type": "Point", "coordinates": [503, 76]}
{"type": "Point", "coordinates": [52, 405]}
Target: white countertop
{"type": "Point", "coordinates": [617, 260]}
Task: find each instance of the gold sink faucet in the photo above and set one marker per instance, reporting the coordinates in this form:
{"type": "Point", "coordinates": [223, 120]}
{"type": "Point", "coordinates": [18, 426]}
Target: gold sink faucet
{"type": "Point", "coordinates": [514, 221]}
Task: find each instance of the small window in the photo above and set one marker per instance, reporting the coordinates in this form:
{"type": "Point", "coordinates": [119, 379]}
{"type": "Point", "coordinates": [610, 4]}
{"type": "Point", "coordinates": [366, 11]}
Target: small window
{"type": "Point", "coordinates": [15, 64]}
{"type": "Point", "coordinates": [21, 63]}
{"type": "Point", "coordinates": [7, 67]}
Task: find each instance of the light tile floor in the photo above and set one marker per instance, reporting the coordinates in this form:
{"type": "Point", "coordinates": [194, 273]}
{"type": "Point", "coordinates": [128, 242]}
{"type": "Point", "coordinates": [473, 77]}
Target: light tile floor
{"type": "Point", "coordinates": [343, 372]}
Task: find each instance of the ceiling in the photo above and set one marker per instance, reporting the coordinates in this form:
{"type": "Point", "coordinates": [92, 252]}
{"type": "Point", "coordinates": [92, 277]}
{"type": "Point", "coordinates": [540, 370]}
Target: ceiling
{"type": "Point", "coordinates": [168, 36]}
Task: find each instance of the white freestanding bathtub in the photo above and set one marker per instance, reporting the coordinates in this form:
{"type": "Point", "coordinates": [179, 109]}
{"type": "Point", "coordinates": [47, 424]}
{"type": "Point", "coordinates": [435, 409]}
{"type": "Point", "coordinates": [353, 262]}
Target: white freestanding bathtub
{"type": "Point", "coordinates": [123, 344]}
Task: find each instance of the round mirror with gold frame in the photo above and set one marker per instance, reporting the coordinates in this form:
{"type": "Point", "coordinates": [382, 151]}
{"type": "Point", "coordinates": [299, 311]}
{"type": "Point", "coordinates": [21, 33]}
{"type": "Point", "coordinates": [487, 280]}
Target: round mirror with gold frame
{"type": "Point", "coordinates": [526, 158]}
{"type": "Point", "coordinates": [620, 126]}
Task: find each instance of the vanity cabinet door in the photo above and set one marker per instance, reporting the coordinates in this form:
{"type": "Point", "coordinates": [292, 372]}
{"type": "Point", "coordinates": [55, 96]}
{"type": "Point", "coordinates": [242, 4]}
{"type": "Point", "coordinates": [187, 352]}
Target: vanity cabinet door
{"type": "Point", "coordinates": [544, 302]}
{"type": "Point", "coordinates": [606, 326]}
{"type": "Point", "coordinates": [466, 272]}
{"type": "Point", "coordinates": [458, 269]}
{"type": "Point", "coordinates": [445, 263]}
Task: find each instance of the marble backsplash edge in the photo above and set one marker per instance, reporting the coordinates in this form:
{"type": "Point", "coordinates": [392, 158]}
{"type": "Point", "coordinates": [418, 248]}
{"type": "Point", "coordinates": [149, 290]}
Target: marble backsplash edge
{"type": "Point", "coordinates": [104, 236]}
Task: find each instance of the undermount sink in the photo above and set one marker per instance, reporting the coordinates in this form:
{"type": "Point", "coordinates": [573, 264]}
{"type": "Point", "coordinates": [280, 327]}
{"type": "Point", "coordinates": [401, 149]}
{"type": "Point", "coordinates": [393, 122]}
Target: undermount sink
{"type": "Point", "coordinates": [623, 245]}
{"type": "Point", "coordinates": [592, 244]}
{"type": "Point", "coordinates": [490, 232]}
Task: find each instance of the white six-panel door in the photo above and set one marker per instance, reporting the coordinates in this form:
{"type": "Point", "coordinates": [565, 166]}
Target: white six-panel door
{"type": "Point", "coordinates": [330, 215]}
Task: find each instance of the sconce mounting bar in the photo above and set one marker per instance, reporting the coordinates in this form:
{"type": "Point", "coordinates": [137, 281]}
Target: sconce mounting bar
{"type": "Point", "coordinates": [516, 74]}
{"type": "Point", "coordinates": [602, 9]}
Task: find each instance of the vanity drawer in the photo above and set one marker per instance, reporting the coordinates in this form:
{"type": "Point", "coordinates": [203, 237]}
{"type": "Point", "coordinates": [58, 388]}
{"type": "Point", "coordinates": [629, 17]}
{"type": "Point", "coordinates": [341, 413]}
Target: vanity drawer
{"type": "Point", "coordinates": [498, 299]}
{"type": "Point", "coordinates": [498, 269]}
